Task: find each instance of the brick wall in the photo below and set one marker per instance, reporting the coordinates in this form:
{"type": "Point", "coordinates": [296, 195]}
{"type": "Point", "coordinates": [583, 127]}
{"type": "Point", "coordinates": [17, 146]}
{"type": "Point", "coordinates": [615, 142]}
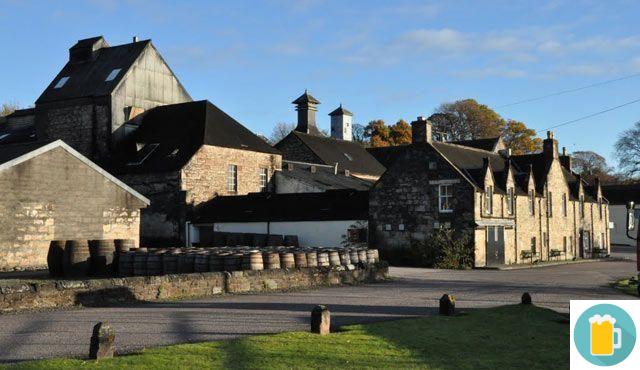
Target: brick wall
{"type": "Point", "coordinates": [56, 196]}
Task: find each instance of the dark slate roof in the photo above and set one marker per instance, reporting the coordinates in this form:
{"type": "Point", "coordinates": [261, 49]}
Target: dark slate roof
{"type": "Point", "coordinates": [488, 144]}
{"type": "Point", "coordinates": [256, 207]}
{"type": "Point", "coordinates": [306, 98]}
{"type": "Point", "coordinates": [22, 113]}
{"type": "Point", "coordinates": [17, 133]}
{"type": "Point", "coordinates": [324, 178]}
{"type": "Point", "coordinates": [340, 111]}
{"type": "Point", "coordinates": [13, 151]}
{"type": "Point", "coordinates": [621, 193]}
{"type": "Point", "coordinates": [87, 79]}
{"type": "Point", "coordinates": [386, 155]}
{"type": "Point", "coordinates": [348, 154]}
{"type": "Point", "coordinates": [179, 130]}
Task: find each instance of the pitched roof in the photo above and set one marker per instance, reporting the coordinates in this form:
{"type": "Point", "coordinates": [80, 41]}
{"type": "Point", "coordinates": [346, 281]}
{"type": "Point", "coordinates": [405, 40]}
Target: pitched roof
{"type": "Point", "coordinates": [173, 133]}
{"type": "Point", "coordinates": [323, 178]}
{"type": "Point", "coordinates": [386, 155]}
{"type": "Point", "coordinates": [489, 144]}
{"type": "Point", "coordinates": [306, 98]}
{"type": "Point", "coordinates": [348, 154]}
{"type": "Point", "coordinates": [12, 155]}
{"type": "Point", "coordinates": [17, 133]}
{"type": "Point", "coordinates": [262, 207]}
{"type": "Point", "coordinates": [340, 111]}
{"type": "Point", "coordinates": [621, 193]}
{"type": "Point", "coordinates": [88, 78]}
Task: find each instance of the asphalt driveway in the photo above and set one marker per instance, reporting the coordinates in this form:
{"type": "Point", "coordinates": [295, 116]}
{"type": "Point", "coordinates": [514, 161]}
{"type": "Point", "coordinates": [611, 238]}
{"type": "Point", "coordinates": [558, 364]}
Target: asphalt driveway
{"type": "Point", "coordinates": [412, 292]}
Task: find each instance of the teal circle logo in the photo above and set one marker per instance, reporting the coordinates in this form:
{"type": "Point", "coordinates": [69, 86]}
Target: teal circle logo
{"type": "Point", "coordinates": [604, 335]}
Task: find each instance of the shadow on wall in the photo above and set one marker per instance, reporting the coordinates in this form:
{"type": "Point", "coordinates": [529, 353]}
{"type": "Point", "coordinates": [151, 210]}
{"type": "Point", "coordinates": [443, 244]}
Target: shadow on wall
{"type": "Point", "coordinates": [109, 297]}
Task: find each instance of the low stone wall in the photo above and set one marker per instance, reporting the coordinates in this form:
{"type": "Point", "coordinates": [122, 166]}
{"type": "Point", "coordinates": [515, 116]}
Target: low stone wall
{"type": "Point", "coordinates": [49, 294]}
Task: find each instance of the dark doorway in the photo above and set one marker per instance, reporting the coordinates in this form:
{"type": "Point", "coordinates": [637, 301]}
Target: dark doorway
{"type": "Point", "coordinates": [495, 245]}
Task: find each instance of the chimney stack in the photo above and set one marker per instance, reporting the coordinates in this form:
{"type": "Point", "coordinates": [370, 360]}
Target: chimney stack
{"type": "Point", "coordinates": [341, 122]}
{"type": "Point", "coordinates": [565, 159]}
{"type": "Point", "coordinates": [421, 131]}
{"type": "Point", "coordinates": [84, 50]}
{"type": "Point", "coordinates": [306, 107]}
{"type": "Point", "coordinates": [550, 147]}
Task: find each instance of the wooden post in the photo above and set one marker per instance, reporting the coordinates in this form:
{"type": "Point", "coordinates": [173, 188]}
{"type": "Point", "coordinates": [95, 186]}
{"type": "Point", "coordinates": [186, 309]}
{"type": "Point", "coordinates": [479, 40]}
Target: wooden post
{"type": "Point", "coordinates": [320, 320]}
{"type": "Point", "coordinates": [447, 305]}
{"type": "Point", "coordinates": [526, 298]}
{"type": "Point", "coordinates": [102, 341]}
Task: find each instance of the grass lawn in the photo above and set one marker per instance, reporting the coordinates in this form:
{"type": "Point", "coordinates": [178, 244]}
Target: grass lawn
{"type": "Point", "coordinates": [629, 286]}
{"type": "Point", "coordinates": [507, 337]}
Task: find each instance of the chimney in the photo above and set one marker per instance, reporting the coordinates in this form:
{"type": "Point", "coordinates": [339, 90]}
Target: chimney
{"type": "Point", "coordinates": [421, 131]}
{"type": "Point", "coordinates": [341, 122]}
{"type": "Point", "coordinates": [85, 50]}
{"type": "Point", "coordinates": [135, 39]}
{"type": "Point", "coordinates": [306, 107]}
{"type": "Point", "coordinates": [550, 147]}
{"type": "Point", "coordinates": [565, 159]}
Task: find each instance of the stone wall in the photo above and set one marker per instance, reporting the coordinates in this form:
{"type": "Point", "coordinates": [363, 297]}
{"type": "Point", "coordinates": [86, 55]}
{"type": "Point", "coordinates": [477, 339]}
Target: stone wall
{"type": "Point", "coordinates": [294, 149]}
{"type": "Point", "coordinates": [56, 196]}
{"type": "Point", "coordinates": [100, 292]}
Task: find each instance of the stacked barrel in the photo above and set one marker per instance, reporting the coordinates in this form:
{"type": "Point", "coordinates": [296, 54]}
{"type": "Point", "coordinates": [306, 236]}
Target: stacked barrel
{"type": "Point", "coordinates": [100, 258]}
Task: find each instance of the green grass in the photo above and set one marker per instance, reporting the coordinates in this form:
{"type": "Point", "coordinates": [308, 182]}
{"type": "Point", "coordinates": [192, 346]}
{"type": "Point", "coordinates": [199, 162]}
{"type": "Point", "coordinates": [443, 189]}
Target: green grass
{"type": "Point", "coordinates": [629, 286]}
{"type": "Point", "coordinates": [507, 337]}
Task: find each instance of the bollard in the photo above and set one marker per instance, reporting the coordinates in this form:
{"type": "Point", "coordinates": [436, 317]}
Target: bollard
{"type": "Point", "coordinates": [320, 320]}
{"type": "Point", "coordinates": [526, 298]}
{"type": "Point", "coordinates": [447, 305]}
{"type": "Point", "coordinates": [102, 341]}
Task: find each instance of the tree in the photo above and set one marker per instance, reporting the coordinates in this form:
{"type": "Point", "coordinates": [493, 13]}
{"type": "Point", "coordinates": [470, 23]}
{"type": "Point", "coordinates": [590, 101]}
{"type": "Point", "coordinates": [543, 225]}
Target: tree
{"type": "Point", "coordinates": [467, 119]}
{"type": "Point", "coordinates": [280, 130]}
{"type": "Point", "coordinates": [520, 139]}
{"type": "Point", "coordinates": [590, 165]}
{"type": "Point", "coordinates": [400, 133]}
{"type": "Point", "coordinates": [628, 151]}
{"type": "Point", "coordinates": [358, 133]}
{"type": "Point", "coordinates": [8, 108]}
{"type": "Point", "coordinates": [378, 133]}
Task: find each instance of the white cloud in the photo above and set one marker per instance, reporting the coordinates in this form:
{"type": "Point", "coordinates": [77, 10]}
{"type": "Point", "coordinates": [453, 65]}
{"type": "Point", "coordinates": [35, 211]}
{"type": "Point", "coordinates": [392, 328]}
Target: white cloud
{"type": "Point", "coordinates": [443, 39]}
{"type": "Point", "coordinates": [492, 72]}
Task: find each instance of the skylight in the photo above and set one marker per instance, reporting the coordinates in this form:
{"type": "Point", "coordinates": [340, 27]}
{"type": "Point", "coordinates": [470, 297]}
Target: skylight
{"type": "Point", "coordinates": [2, 136]}
{"type": "Point", "coordinates": [61, 82]}
{"type": "Point", "coordinates": [348, 156]}
{"type": "Point", "coordinates": [112, 75]}
{"type": "Point", "coordinates": [143, 153]}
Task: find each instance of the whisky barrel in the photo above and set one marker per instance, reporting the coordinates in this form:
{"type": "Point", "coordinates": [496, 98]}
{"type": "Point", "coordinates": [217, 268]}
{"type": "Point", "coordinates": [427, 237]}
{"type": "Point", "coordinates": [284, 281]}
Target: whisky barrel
{"type": "Point", "coordinates": [287, 260]}
{"type": "Point", "coordinates": [291, 241]}
{"type": "Point", "coordinates": [252, 261]}
{"type": "Point", "coordinates": [102, 252]}
{"type": "Point", "coordinates": [353, 256]}
{"type": "Point", "coordinates": [170, 262]}
{"type": "Point", "coordinates": [140, 263]}
{"type": "Point", "coordinates": [216, 262]}
{"type": "Point", "coordinates": [334, 258]}
{"type": "Point", "coordinates": [124, 245]}
{"type": "Point", "coordinates": [371, 256]}
{"type": "Point", "coordinates": [232, 262]}
{"type": "Point", "coordinates": [376, 255]}
{"type": "Point", "coordinates": [271, 260]}
{"type": "Point", "coordinates": [76, 258]}
{"type": "Point", "coordinates": [362, 255]}
{"type": "Point", "coordinates": [186, 262]}
{"type": "Point", "coordinates": [201, 263]}
{"type": "Point", "coordinates": [125, 263]}
{"type": "Point", "coordinates": [55, 258]}
{"type": "Point", "coordinates": [323, 259]}
{"type": "Point", "coordinates": [300, 259]}
{"type": "Point", "coordinates": [345, 260]}
{"type": "Point", "coordinates": [312, 259]}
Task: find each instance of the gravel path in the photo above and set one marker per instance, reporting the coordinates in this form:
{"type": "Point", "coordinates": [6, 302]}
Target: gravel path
{"type": "Point", "coordinates": [412, 292]}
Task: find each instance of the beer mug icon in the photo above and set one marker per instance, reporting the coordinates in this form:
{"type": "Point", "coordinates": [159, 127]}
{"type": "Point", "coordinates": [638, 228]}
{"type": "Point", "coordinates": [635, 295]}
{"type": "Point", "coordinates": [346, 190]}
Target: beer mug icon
{"type": "Point", "coordinates": [604, 337]}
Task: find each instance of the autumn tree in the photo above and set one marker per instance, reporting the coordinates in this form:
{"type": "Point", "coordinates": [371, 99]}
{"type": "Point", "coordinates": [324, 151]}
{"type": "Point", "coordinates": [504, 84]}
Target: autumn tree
{"type": "Point", "coordinates": [8, 108]}
{"type": "Point", "coordinates": [378, 133]}
{"type": "Point", "coordinates": [520, 138]}
{"type": "Point", "coordinates": [467, 119]}
{"type": "Point", "coordinates": [628, 151]}
{"type": "Point", "coordinates": [400, 133]}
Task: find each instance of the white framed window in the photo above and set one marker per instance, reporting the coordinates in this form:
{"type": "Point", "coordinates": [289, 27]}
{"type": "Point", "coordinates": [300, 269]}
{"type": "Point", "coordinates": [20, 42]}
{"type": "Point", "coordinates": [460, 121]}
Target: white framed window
{"type": "Point", "coordinates": [264, 179]}
{"type": "Point", "coordinates": [510, 201]}
{"type": "Point", "coordinates": [112, 75]}
{"type": "Point", "coordinates": [532, 203]}
{"type": "Point", "coordinates": [61, 82]}
{"type": "Point", "coordinates": [232, 179]}
{"type": "Point", "coordinates": [564, 205]}
{"type": "Point", "coordinates": [445, 196]}
{"type": "Point", "coordinates": [488, 200]}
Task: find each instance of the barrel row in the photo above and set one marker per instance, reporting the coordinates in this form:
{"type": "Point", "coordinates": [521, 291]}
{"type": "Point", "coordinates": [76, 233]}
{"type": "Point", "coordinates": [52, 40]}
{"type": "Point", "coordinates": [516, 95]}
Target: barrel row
{"type": "Point", "coordinates": [79, 258]}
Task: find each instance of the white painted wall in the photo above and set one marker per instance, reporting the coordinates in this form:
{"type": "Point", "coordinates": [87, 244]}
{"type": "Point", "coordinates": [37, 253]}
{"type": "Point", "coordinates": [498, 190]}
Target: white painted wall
{"type": "Point", "coordinates": [341, 127]}
{"type": "Point", "coordinates": [618, 215]}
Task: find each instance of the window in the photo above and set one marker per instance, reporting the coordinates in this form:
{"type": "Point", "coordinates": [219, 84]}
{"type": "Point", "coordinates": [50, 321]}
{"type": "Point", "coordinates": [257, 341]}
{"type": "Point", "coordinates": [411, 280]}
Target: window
{"type": "Point", "coordinates": [144, 151]}
{"type": "Point", "coordinates": [61, 82]}
{"type": "Point", "coordinates": [488, 201]}
{"type": "Point", "coordinates": [582, 206]}
{"type": "Point", "coordinates": [533, 245]}
{"type": "Point", "coordinates": [532, 203]}
{"type": "Point", "coordinates": [600, 207]}
{"type": "Point", "coordinates": [401, 227]}
{"type": "Point", "coordinates": [232, 179]}
{"type": "Point", "coordinates": [2, 136]}
{"type": "Point", "coordinates": [564, 205]}
{"type": "Point", "coordinates": [549, 204]}
{"type": "Point", "coordinates": [264, 179]}
{"type": "Point", "coordinates": [545, 240]}
{"type": "Point", "coordinates": [348, 156]}
{"type": "Point", "coordinates": [564, 244]}
{"type": "Point", "coordinates": [112, 75]}
{"type": "Point", "coordinates": [510, 201]}
{"type": "Point", "coordinates": [445, 195]}
{"type": "Point", "coordinates": [387, 227]}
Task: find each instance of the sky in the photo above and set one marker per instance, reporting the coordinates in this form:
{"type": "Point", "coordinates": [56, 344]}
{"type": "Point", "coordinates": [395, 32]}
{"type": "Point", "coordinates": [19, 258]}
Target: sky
{"type": "Point", "coordinates": [380, 59]}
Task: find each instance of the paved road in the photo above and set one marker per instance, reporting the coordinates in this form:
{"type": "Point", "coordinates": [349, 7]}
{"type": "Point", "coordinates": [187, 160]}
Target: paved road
{"type": "Point", "coordinates": [414, 292]}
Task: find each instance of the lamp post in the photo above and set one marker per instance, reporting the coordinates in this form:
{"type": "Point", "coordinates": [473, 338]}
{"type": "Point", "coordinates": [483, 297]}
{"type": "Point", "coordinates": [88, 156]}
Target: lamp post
{"type": "Point", "coordinates": [630, 226]}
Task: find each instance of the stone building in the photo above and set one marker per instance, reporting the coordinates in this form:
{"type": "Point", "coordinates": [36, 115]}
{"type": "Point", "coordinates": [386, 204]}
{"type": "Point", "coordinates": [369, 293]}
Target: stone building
{"type": "Point", "coordinates": [99, 89]}
{"type": "Point", "coordinates": [306, 144]}
{"type": "Point", "coordinates": [52, 192]}
{"type": "Point", "coordinates": [182, 155]}
{"type": "Point", "coordinates": [517, 208]}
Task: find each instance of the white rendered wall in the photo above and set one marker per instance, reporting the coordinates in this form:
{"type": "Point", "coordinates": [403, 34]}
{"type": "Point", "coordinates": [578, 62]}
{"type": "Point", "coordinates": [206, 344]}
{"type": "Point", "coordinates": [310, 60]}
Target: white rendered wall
{"type": "Point", "coordinates": [618, 215]}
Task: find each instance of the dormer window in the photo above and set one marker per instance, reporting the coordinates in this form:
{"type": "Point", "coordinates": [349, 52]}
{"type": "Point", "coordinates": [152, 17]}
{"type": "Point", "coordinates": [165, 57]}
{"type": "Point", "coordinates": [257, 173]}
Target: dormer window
{"type": "Point", "coordinates": [113, 75]}
{"type": "Point", "coordinates": [61, 82]}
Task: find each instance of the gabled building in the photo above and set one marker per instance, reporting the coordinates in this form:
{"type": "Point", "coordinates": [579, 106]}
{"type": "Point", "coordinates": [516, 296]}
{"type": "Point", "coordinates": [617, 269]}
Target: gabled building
{"type": "Point", "coordinates": [517, 209]}
{"type": "Point", "coordinates": [182, 155]}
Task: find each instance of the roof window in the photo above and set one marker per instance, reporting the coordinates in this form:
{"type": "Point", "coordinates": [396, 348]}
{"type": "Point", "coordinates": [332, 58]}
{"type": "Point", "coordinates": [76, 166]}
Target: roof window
{"type": "Point", "coordinates": [144, 151]}
{"type": "Point", "coordinates": [348, 156]}
{"type": "Point", "coordinates": [112, 75]}
{"type": "Point", "coordinates": [2, 136]}
{"type": "Point", "coordinates": [61, 82]}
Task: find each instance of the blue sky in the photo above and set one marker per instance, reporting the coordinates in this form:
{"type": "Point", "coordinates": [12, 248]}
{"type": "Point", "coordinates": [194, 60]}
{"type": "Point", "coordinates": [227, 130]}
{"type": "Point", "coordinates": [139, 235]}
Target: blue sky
{"type": "Point", "coordinates": [381, 59]}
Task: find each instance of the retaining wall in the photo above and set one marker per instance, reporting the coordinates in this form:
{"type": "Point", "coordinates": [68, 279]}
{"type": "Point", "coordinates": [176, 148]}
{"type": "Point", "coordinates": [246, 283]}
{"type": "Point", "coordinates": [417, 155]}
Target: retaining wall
{"type": "Point", "coordinates": [48, 294]}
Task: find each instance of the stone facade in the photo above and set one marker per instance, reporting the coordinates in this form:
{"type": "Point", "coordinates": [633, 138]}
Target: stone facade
{"type": "Point", "coordinates": [295, 150]}
{"type": "Point", "coordinates": [56, 196]}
